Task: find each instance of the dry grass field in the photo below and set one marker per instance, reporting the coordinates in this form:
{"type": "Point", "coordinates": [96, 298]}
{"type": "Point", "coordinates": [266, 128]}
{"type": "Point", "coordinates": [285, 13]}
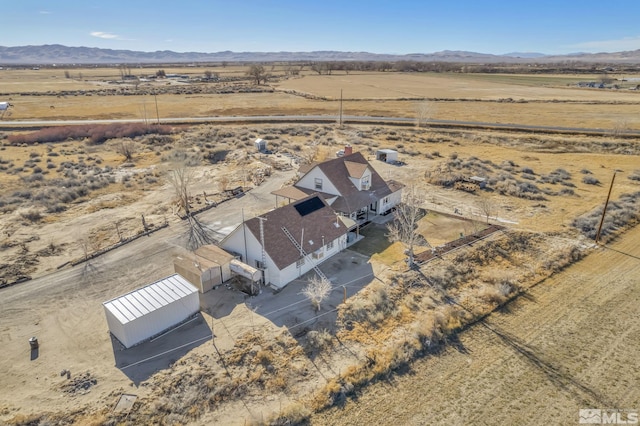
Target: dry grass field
{"type": "Point", "coordinates": [567, 345]}
{"type": "Point", "coordinates": [550, 100]}
{"type": "Point", "coordinates": [60, 200]}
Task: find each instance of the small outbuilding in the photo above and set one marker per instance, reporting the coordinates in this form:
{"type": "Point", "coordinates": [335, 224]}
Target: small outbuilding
{"type": "Point", "coordinates": [148, 311]}
{"type": "Point", "coordinates": [209, 266]}
{"type": "Point", "coordinates": [260, 144]}
{"type": "Point", "coordinates": [4, 106]}
{"type": "Point", "coordinates": [387, 155]}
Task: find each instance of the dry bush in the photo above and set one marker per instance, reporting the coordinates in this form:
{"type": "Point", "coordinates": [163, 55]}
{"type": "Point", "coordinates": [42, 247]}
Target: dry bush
{"type": "Point", "coordinates": [496, 293]}
{"type": "Point", "coordinates": [620, 214]}
{"type": "Point", "coordinates": [294, 414]}
{"type": "Point", "coordinates": [372, 306]}
{"type": "Point", "coordinates": [96, 133]}
{"type": "Point", "coordinates": [32, 214]}
{"type": "Point", "coordinates": [319, 340]}
{"type": "Point", "coordinates": [635, 175]}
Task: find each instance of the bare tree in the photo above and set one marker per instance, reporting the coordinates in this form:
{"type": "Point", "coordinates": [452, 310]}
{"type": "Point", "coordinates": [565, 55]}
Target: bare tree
{"type": "Point", "coordinates": [486, 206]}
{"type": "Point", "coordinates": [404, 227]}
{"type": "Point", "coordinates": [223, 183]}
{"type": "Point", "coordinates": [258, 73]}
{"type": "Point", "coordinates": [424, 110]}
{"type": "Point", "coordinates": [620, 128]}
{"type": "Point", "coordinates": [317, 290]}
{"type": "Point", "coordinates": [317, 67]}
{"type": "Point", "coordinates": [210, 75]}
{"type": "Point", "coordinates": [127, 148]}
{"type": "Point", "coordinates": [180, 177]}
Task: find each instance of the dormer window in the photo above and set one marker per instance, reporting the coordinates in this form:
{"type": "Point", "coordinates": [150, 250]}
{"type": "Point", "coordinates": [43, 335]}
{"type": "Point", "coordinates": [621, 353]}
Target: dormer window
{"type": "Point", "coordinates": [365, 183]}
{"type": "Point", "coordinates": [318, 183]}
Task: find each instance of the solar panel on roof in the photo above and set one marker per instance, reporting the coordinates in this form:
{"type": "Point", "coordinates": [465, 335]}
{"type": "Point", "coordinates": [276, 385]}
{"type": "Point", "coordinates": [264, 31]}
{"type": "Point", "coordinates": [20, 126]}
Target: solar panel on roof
{"type": "Point", "coordinates": [309, 206]}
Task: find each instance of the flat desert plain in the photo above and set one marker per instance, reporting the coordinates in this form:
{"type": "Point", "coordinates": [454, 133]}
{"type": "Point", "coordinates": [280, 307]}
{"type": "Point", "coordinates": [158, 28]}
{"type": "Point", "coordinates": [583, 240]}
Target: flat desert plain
{"type": "Point", "coordinates": [549, 100]}
{"type": "Point", "coordinates": [563, 345]}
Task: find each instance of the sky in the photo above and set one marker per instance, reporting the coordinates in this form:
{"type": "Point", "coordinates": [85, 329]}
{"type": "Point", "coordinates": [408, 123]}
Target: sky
{"type": "Point", "coordinates": [377, 26]}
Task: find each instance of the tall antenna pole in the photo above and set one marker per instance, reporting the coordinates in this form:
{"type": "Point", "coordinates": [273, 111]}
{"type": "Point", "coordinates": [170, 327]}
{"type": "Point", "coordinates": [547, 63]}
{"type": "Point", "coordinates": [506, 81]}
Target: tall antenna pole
{"type": "Point", "coordinates": [264, 255]}
{"type": "Point", "coordinates": [244, 235]}
{"type": "Point", "coordinates": [605, 208]}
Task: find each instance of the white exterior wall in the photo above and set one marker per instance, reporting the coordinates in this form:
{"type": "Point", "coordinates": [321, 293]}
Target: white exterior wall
{"type": "Point", "coordinates": [358, 182]}
{"type": "Point", "coordinates": [291, 272]}
{"type": "Point", "coordinates": [308, 181]}
{"type": "Point", "coordinates": [393, 199]}
{"type": "Point", "coordinates": [236, 242]}
{"type": "Point", "coordinates": [148, 311]}
{"type": "Point", "coordinates": [274, 276]}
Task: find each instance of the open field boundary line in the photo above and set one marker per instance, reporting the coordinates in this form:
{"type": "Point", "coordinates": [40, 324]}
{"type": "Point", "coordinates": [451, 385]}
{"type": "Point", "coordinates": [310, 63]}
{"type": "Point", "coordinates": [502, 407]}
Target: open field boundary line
{"type": "Point", "coordinates": [314, 119]}
{"type": "Point", "coordinates": [117, 245]}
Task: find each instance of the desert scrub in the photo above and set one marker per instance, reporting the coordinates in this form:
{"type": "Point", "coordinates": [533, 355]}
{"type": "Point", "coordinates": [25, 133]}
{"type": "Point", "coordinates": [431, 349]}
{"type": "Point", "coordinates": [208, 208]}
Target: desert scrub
{"type": "Point", "coordinates": [372, 307]}
{"type": "Point", "coordinates": [620, 214]}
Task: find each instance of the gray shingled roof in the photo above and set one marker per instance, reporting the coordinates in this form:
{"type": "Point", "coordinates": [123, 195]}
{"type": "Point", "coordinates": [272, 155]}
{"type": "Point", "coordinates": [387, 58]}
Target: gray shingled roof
{"type": "Point", "coordinates": [318, 225]}
{"type": "Point", "coordinates": [338, 171]}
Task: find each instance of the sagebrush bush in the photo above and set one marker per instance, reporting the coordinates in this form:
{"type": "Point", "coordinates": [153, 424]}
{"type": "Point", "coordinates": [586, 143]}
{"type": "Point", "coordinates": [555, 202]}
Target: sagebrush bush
{"type": "Point", "coordinates": [590, 180]}
{"type": "Point", "coordinates": [621, 213]}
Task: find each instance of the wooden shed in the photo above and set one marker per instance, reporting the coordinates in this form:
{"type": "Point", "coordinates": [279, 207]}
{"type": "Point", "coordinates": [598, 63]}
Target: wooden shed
{"type": "Point", "coordinates": [206, 268]}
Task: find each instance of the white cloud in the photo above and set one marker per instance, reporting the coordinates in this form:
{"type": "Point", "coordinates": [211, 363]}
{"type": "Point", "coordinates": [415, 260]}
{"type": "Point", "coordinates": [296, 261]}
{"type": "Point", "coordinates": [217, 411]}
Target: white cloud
{"type": "Point", "coordinates": [101, 34]}
{"type": "Point", "coordinates": [44, 12]}
{"type": "Point", "coordinates": [625, 43]}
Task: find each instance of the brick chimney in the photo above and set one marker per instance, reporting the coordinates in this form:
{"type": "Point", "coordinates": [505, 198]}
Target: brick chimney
{"type": "Point", "coordinates": [348, 149]}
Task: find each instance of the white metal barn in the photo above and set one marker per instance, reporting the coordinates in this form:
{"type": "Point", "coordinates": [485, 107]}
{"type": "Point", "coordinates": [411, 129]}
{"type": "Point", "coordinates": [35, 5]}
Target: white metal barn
{"type": "Point", "coordinates": [148, 311]}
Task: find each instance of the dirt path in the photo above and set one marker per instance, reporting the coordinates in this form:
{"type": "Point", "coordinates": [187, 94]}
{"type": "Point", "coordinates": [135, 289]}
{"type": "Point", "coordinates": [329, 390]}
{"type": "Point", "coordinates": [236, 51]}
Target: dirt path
{"type": "Point", "coordinates": [571, 344]}
{"type": "Point", "coordinates": [63, 309]}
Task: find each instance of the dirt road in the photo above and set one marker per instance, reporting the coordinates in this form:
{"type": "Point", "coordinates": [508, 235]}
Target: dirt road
{"type": "Point", "coordinates": [570, 344]}
{"type": "Point", "coordinates": [64, 311]}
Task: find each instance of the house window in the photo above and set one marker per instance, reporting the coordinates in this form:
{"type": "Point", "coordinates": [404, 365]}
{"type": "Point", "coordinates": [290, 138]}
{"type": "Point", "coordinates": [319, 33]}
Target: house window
{"type": "Point", "coordinates": [300, 262]}
{"type": "Point", "coordinates": [318, 254]}
{"type": "Point", "coordinates": [329, 245]}
{"type": "Point", "coordinates": [365, 183]}
{"type": "Point", "coordinates": [318, 182]}
{"type": "Point", "coordinates": [260, 265]}
{"type": "Point", "coordinates": [386, 200]}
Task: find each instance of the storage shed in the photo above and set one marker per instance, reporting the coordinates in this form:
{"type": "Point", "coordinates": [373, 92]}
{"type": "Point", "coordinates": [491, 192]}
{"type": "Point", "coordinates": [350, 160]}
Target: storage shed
{"type": "Point", "coordinates": [4, 105]}
{"type": "Point", "coordinates": [206, 268]}
{"type": "Point", "coordinates": [260, 144]}
{"type": "Point", "coordinates": [387, 155]}
{"type": "Point", "coordinates": [148, 311]}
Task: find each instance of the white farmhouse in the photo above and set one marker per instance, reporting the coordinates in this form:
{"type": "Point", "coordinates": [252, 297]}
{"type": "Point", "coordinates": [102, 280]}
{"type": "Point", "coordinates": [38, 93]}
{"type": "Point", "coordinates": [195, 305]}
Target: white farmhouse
{"type": "Point", "coordinates": [289, 241]}
{"type": "Point", "coordinates": [349, 184]}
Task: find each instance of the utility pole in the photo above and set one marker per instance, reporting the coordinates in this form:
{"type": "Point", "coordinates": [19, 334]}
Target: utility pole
{"type": "Point", "coordinates": [340, 108]}
{"type": "Point", "coordinates": [605, 207]}
{"type": "Point", "coordinates": [157, 113]}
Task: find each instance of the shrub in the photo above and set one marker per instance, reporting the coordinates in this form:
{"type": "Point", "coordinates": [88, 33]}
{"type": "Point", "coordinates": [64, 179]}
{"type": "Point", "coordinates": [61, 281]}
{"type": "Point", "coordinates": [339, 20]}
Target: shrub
{"type": "Point", "coordinates": [96, 133]}
{"type": "Point", "coordinates": [635, 175]}
{"type": "Point", "coordinates": [319, 340]}
{"type": "Point", "coordinates": [590, 180]}
{"type": "Point", "coordinates": [620, 213]}
{"type": "Point", "coordinates": [31, 214]}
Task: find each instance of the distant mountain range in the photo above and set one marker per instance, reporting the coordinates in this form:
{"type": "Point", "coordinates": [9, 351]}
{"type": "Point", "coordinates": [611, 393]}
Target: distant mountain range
{"type": "Point", "coordinates": [59, 54]}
